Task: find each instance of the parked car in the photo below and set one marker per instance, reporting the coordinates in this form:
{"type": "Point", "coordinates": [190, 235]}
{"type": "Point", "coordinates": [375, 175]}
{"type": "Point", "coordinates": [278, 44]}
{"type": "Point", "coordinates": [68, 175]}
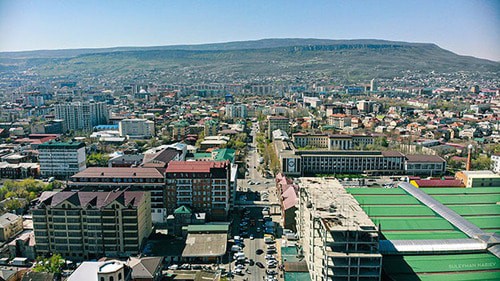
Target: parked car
{"type": "Point", "coordinates": [271, 272]}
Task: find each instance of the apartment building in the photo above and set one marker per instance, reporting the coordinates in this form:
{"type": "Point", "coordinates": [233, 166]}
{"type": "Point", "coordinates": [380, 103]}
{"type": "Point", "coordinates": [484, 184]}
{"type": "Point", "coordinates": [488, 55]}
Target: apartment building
{"type": "Point", "coordinates": [180, 130]}
{"type": "Point", "coordinates": [136, 128]}
{"type": "Point", "coordinates": [339, 120]}
{"type": "Point", "coordinates": [211, 127]}
{"type": "Point", "coordinates": [89, 225]}
{"type": "Point", "coordinates": [277, 122]}
{"type": "Point", "coordinates": [339, 240]}
{"type": "Point", "coordinates": [131, 179]}
{"type": "Point", "coordinates": [61, 159]}
{"type": "Point", "coordinates": [10, 226]}
{"type": "Point", "coordinates": [236, 111]}
{"type": "Point", "coordinates": [82, 115]}
{"type": "Point", "coordinates": [204, 186]}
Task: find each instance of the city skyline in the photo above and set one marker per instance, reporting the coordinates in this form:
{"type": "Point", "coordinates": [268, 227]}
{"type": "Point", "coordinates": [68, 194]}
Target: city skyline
{"type": "Point", "coordinates": [464, 27]}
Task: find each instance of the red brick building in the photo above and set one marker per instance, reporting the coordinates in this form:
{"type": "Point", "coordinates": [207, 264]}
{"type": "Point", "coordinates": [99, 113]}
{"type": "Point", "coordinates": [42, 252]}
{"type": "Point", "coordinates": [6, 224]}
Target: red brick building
{"type": "Point", "coordinates": [204, 186]}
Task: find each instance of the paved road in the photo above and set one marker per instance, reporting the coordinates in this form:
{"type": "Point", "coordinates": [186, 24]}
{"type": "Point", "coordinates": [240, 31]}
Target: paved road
{"type": "Point", "coordinates": [263, 185]}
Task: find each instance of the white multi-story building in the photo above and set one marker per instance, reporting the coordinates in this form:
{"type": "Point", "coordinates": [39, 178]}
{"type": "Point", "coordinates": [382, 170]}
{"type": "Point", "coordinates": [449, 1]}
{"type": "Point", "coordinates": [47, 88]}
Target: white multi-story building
{"type": "Point", "coordinates": [82, 115]}
{"type": "Point", "coordinates": [495, 163]}
{"type": "Point", "coordinates": [61, 159]}
{"type": "Point", "coordinates": [236, 111]}
{"type": "Point", "coordinates": [136, 128]}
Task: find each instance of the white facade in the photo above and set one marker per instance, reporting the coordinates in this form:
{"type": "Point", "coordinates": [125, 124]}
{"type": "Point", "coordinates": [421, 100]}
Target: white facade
{"type": "Point", "coordinates": [82, 116]}
{"type": "Point", "coordinates": [136, 128]}
{"type": "Point", "coordinates": [495, 163]}
{"type": "Point", "coordinates": [236, 111]}
{"type": "Point", "coordinates": [59, 159]}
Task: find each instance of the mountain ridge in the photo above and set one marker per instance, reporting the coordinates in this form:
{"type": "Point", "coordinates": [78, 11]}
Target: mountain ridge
{"type": "Point", "coordinates": [223, 46]}
{"type": "Point", "coordinates": [285, 58]}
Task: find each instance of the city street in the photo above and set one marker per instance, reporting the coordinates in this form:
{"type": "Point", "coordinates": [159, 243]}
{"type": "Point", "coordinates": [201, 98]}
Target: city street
{"type": "Point", "coordinates": [255, 182]}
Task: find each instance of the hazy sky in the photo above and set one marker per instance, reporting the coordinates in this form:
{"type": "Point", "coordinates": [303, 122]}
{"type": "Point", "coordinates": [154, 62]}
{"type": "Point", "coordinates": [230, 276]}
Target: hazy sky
{"type": "Point", "coordinates": [465, 27]}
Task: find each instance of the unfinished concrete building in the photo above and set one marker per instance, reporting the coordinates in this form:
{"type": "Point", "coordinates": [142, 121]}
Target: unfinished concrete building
{"type": "Point", "coordinates": [339, 240]}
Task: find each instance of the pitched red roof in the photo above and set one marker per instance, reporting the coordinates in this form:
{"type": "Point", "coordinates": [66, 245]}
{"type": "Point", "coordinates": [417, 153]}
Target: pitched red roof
{"type": "Point", "coordinates": [95, 199]}
{"type": "Point", "coordinates": [105, 172]}
{"type": "Point", "coordinates": [424, 158]}
{"type": "Point", "coordinates": [194, 166]}
{"type": "Point", "coordinates": [439, 183]}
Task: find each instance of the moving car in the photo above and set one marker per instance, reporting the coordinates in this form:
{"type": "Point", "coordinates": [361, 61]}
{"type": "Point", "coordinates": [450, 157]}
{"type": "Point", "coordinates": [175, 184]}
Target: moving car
{"type": "Point", "coordinates": [259, 264]}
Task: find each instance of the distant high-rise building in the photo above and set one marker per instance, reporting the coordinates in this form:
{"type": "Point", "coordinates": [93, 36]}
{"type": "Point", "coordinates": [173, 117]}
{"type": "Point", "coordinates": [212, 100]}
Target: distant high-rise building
{"type": "Point", "coordinates": [236, 111]}
{"type": "Point", "coordinates": [373, 85]}
{"type": "Point", "coordinates": [82, 115]}
{"type": "Point", "coordinates": [277, 122]}
{"type": "Point", "coordinates": [136, 128]}
{"type": "Point", "coordinates": [211, 128]}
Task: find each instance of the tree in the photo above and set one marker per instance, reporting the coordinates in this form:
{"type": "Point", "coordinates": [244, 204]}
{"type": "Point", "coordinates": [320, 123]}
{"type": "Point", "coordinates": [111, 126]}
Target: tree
{"type": "Point", "coordinates": [382, 142]}
{"type": "Point", "coordinates": [482, 162]}
{"type": "Point", "coordinates": [13, 204]}
{"type": "Point", "coordinates": [54, 264]}
{"type": "Point", "coordinates": [97, 160]}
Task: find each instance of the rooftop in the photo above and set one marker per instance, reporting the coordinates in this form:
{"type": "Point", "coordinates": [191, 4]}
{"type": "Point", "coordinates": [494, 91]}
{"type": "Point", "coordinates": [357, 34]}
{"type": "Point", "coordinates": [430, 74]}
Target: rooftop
{"type": "Point", "coordinates": [424, 158]}
{"type": "Point", "coordinates": [337, 208]}
{"type": "Point", "coordinates": [105, 172]}
{"type": "Point", "coordinates": [205, 245]}
{"type": "Point", "coordinates": [62, 145]}
{"type": "Point", "coordinates": [96, 199]}
{"type": "Point", "coordinates": [194, 166]}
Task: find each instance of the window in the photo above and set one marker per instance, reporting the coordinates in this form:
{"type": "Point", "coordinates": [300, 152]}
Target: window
{"type": "Point", "coordinates": [102, 279]}
{"type": "Point", "coordinates": [111, 278]}
{"type": "Point", "coordinates": [119, 276]}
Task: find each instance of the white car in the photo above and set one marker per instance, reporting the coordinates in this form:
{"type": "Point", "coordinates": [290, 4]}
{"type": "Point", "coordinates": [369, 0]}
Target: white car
{"type": "Point", "coordinates": [251, 237]}
{"type": "Point", "coordinates": [269, 257]}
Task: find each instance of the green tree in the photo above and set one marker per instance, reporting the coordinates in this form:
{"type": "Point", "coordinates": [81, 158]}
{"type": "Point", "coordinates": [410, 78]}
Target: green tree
{"type": "Point", "coordinates": [97, 160]}
{"type": "Point", "coordinates": [482, 162]}
{"type": "Point", "coordinates": [381, 142]}
{"type": "Point", "coordinates": [13, 204]}
{"type": "Point", "coordinates": [54, 264]}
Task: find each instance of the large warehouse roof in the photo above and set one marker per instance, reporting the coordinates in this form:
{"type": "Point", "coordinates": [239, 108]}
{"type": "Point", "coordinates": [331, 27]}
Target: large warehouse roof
{"type": "Point", "coordinates": [402, 216]}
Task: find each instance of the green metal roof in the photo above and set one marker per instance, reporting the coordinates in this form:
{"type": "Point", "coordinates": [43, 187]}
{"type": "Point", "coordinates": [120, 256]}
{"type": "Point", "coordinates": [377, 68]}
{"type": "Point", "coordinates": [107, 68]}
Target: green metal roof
{"type": "Point", "coordinates": [224, 154]}
{"type": "Point", "coordinates": [297, 276]}
{"type": "Point", "coordinates": [402, 217]}
{"type": "Point", "coordinates": [398, 211]}
{"type": "Point", "coordinates": [373, 191]}
{"type": "Point", "coordinates": [208, 227]}
{"type": "Point", "coordinates": [386, 200]}
{"type": "Point", "coordinates": [443, 267]}
{"type": "Point", "coordinates": [182, 210]}
{"type": "Point", "coordinates": [413, 223]}
{"type": "Point", "coordinates": [468, 199]}
{"type": "Point", "coordinates": [427, 234]}
{"type": "Point", "coordinates": [202, 155]}
{"type": "Point", "coordinates": [61, 145]}
{"type": "Point", "coordinates": [475, 210]}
